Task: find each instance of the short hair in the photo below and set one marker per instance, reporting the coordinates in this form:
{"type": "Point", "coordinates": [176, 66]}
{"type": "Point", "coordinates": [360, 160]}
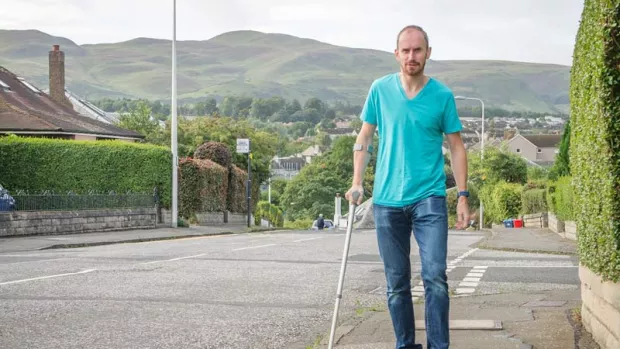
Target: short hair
{"type": "Point", "coordinates": [412, 27]}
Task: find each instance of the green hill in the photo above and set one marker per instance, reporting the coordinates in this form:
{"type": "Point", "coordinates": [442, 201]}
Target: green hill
{"type": "Point", "coordinates": [262, 65]}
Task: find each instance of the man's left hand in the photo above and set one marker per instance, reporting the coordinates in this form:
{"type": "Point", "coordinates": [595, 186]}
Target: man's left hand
{"type": "Point", "coordinates": [462, 213]}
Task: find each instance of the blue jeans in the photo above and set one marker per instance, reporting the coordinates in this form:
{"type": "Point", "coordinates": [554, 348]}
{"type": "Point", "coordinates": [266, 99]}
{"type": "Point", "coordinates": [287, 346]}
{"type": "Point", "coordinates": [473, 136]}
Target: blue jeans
{"type": "Point", "coordinates": [428, 219]}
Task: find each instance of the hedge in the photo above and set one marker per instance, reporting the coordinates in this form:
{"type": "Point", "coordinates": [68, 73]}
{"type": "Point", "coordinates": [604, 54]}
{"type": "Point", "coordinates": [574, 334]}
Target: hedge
{"type": "Point", "coordinates": [564, 199]}
{"type": "Point", "coordinates": [40, 164]}
{"type": "Point", "coordinates": [595, 137]}
{"type": "Point", "coordinates": [269, 212]}
{"type": "Point", "coordinates": [534, 201]}
{"type": "Point", "coordinates": [215, 151]}
{"type": "Point", "coordinates": [203, 185]}
{"type": "Point", "coordinates": [501, 201]}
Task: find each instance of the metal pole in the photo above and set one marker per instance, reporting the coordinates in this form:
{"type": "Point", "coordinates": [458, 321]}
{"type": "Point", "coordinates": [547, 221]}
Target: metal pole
{"type": "Point", "coordinates": [481, 161]}
{"type": "Point", "coordinates": [174, 146]}
{"type": "Point", "coordinates": [249, 190]}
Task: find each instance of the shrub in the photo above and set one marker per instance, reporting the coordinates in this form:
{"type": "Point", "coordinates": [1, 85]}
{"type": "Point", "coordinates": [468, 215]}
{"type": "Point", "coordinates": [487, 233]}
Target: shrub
{"type": "Point", "coordinates": [216, 152]}
{"type": "Point", "coordinates": [534, 201]}
{"type": "Point", "coordinates": [501, 201]}
{"type": "Point", "coordinates": [236, 196]}
{"type": "Point", "coordinates": [473, 201]}
{"type": "Point", "coordinates": [300, 224]}
{"type": "Point", "coordinates": [269, 212]}
{"type": "Point", "coordinates": [550, 196]}
{"type": "Point", "coordinates": [595, 137]}
{"type": "Point", "coordinates": [39, 164]}
{"type": "Point", "coordinates": [203, 186]}
{"type": "Point", "coordinates": [564, 199]}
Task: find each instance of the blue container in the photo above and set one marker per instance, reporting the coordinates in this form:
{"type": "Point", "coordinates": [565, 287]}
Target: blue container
{"type": "Point", "coordinates": [509, 223]}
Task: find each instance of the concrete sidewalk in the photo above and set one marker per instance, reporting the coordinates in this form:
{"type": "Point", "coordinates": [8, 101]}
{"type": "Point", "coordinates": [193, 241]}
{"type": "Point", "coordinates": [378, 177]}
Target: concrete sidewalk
{"type": "Point", "coordinates": [546, 319]}
{"type": "Point", "coordinates": [41, 242]}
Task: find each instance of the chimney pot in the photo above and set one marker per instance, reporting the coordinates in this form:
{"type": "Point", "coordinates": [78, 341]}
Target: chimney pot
{"type": "Point", "coordinates": [56, 47]}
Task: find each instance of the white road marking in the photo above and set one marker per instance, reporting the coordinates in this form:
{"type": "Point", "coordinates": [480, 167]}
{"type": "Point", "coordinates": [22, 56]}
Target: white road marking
{"type": "Point", "coordinates": [471, 279]}
{"type": "Point", "coordinates": [46, 277]}
{"type": "Point", "coordinates": [251, 247]}
{"type": "Point", "coordinates": [462, 290]}
{"type": "Point", "coordinates": [469, 284]}
{"type": "Point", "coordinates": [320, 237]}
{"type": "Point", "coordinates": [418, 288]}
{"type": "Point", "coordinates": [175, 259]}
{"type": "Point", "coordinates": [481, 267]}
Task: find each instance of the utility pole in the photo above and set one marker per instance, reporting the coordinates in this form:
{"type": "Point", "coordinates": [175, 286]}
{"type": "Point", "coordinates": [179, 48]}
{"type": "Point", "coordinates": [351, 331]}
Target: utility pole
{"type": "Point", "coordinates": [174, 146]}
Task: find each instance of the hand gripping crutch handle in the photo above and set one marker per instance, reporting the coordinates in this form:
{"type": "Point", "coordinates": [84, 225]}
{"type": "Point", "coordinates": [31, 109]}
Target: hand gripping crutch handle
{"type": "Point", "coordinates": [345, 254]}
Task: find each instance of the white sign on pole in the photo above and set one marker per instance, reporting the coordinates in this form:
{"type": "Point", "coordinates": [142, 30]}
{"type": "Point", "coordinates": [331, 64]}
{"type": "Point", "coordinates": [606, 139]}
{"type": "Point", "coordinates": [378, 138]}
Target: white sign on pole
{"type": "Point", "coordinates": [243, 145]}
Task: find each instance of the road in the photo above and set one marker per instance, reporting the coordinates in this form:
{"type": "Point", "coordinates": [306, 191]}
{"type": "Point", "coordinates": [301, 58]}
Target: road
{"type": "Point", "coordinates": [261, 290]}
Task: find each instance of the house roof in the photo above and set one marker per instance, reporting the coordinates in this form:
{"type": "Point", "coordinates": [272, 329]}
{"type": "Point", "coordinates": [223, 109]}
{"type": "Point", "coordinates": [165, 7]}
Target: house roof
{"type": "Point", "coordinates": [340, 131]}
{"type": "Point", "coordinates": [24, 108]}
{"type": "Point", "coordinates": [544, 141]}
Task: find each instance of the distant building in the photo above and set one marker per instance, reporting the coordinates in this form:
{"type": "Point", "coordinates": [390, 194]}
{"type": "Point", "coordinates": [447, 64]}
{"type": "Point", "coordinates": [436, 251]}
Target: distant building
{"type": "Point", "coordinates": [28, 111]}
{"type": "Point", "coordinates": [540, 149]}
{"type": "Point", "coordinates": [334, 133]}
{"type": "Point", "coordinates": [287, 167]}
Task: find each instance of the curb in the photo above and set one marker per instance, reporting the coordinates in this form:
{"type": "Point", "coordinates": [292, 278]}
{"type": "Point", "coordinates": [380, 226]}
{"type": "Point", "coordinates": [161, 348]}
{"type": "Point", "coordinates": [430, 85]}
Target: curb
{"type": "Point", "coordinates": [130, 241]}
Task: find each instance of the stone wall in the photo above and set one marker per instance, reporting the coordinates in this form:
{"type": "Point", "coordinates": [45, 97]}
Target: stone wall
{"type": "Point", "coordinates": [570, 230]}
{"type": "Point", "coordinates": [71, 222]}
{"type": "Point", "coordinates": [536, 220]}
{"type": "Point", "coordinates": [600, 310]}
{"type": "Point", "coordinates": [556, 225]}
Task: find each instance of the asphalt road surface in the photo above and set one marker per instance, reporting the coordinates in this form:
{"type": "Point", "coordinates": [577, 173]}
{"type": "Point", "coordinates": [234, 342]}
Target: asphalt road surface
{"type": "Point", "coordinates": [270, 290]}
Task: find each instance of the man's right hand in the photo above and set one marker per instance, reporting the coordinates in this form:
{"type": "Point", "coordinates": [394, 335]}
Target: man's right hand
{"type": "Point", "coordinates": [355, 189]}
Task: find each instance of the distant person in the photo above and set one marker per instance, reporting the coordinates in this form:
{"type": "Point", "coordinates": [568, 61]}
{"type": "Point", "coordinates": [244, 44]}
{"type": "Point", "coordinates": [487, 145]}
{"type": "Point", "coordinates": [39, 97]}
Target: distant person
{"type": "Point", "coordinates": [320, 222]}
{"type": "Point", "coordinates": [412, 112]}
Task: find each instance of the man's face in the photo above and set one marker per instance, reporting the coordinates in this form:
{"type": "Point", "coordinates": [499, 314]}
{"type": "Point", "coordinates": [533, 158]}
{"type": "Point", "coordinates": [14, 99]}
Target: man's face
{"type": "Point", "coordinates": [412, 52]}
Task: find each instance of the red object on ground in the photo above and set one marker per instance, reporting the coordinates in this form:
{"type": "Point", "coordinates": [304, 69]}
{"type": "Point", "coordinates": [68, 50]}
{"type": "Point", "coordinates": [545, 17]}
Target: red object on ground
{"type": "Point", "coordinates": [518, 223]}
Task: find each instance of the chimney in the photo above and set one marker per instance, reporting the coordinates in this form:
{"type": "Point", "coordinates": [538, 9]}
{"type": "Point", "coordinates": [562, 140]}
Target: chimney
{"type": "Point", "coordinates": [509, 133]}
{"type": "Point", "coordinates": [57, 76]}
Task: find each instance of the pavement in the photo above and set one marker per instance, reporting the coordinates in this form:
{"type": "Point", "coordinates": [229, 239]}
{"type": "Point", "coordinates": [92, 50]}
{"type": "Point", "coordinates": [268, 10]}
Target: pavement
{"type": "Point", "coordinates": [42, 242]}
{"type": "Point", "coordinates": [521, 291]}
{"type": "Point", "coordinates": [221, 287]}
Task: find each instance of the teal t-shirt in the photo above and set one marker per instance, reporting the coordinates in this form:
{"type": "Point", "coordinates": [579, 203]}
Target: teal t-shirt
{"type": "Point", "coordinates": [410, 164]}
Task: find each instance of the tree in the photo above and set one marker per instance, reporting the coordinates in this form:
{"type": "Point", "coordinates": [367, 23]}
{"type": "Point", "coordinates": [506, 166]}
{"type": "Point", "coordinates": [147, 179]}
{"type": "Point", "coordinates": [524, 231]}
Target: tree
{"type": "Point", "coordinates": [139, 119]}
{"type": "Point", "coordinates": [561, 167]}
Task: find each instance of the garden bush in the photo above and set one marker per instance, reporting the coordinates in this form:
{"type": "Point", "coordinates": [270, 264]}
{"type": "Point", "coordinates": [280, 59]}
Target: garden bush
{"type": "Point", "coordinates": [564, 199]}
{"type": "Point", "coordinates": [203, 185]}
{"type": "Point", "coordinates": [41, 164]}
{"type": "Point", "coordinates": [501, 201]}
{"type": "Point", "coordinates": [595, 137]}
{"type": "Point", "coordinates": [534, 201]}
{"type": "Point", "coordinates": [216, 152]}
{"type": "Point", "coordinates": [269, 212]}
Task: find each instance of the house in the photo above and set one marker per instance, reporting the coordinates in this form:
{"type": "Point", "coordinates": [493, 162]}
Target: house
{"type": "Point", "coordinates": [311, 152]}
{"type": "Point", "coordinates": [28, 111]}
{"type": "Point", "coordinates": [334, 133]}
{"type": "Point", "coordinates": [540, 149]}
{"type": "Point", "coordinates": [287, 167]}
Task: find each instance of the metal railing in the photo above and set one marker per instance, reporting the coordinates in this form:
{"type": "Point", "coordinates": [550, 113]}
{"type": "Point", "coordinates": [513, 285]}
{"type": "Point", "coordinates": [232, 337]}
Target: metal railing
{"type": "Point", "coordinates": [51, 201]}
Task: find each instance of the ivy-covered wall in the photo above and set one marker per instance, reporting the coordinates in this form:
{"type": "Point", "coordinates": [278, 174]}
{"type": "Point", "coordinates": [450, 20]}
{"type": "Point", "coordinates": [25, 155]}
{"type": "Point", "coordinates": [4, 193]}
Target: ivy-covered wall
{"type": "Point", "coordinates": [595, 137]}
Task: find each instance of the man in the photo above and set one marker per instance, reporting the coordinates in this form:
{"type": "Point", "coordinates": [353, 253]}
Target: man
{"type": "Point", "coordinates": [412, 113]}
{"type": "Point", "coordinates": [320, 222]}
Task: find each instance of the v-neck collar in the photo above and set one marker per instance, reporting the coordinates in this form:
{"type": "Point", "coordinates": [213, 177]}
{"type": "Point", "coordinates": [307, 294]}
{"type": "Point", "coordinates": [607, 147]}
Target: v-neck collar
{"type": "Point", "coordinates": [404, 93]}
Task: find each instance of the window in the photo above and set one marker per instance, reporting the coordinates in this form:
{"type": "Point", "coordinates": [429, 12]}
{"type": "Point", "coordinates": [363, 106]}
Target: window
{"type": "Point", "coordinates": [29, 85]}
{"type": "Point", "coordinates": [539, 150]}
{"type": "Point", "coordinates": [518, 150]}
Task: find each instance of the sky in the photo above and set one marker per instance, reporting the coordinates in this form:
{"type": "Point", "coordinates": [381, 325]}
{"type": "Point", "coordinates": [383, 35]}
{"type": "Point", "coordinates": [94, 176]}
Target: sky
{"type": "Point", "coordinates": [540, 31]}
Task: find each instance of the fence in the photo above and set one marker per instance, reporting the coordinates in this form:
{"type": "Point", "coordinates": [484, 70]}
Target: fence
{"type": "Point", "coordinates": [50, 201]}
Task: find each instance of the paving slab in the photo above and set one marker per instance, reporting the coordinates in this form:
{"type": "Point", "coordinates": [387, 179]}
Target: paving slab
{"type": "Point", "coordinates": [530, 240]}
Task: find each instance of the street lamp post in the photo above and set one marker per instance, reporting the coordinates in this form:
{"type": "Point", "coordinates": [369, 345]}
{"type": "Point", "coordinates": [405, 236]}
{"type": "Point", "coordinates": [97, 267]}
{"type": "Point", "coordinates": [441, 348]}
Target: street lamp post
{"type": "Point", "coordinates": [481, 147]}
{"type": "Point", "coordinates": [173, 125]}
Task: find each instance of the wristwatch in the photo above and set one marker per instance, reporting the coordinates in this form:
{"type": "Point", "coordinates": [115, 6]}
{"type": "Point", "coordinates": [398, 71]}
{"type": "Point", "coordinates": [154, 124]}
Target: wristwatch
{"type": "Point", "coordinates": [360, 147]}
{"type": "Point", "coordinates": [464, 193]}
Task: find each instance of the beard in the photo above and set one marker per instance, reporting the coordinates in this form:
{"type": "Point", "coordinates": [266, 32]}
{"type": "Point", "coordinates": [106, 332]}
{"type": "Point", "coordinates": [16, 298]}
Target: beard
{"type": "Point", "coordinates": [414, 68]}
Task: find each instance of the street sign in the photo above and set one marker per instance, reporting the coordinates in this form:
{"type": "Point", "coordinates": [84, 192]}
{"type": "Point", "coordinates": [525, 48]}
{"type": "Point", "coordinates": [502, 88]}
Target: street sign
{"type": "Point", "coordinates": [243, 145]}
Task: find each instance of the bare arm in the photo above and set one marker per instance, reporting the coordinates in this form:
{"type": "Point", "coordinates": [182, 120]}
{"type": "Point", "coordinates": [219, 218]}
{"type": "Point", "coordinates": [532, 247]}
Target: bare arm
{"type": "Point", "coordinates": [459, 167]}
{"type": "Point", "coordinates": [458, 154]}
{"type": "Point", "coordinates": [361, 158]}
